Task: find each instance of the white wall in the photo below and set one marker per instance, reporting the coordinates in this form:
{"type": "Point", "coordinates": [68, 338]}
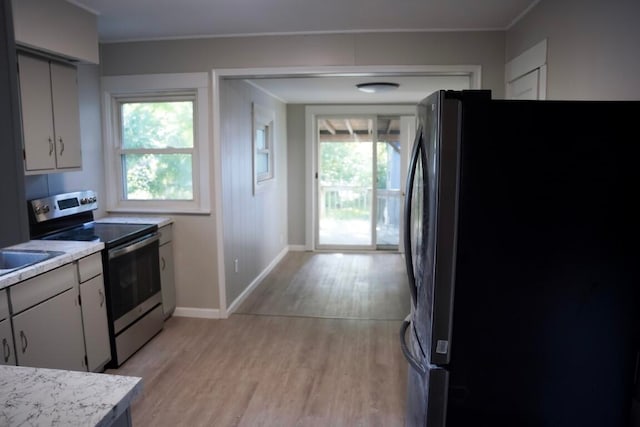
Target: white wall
{"type": "Point", "coordinates": [484, 48]}
{"type": "Point", "coordinates": [296, 160]}
{"type": "Point", "coordinates": [593, 47]}
{"type": "Point", "coordinates": [196, 285]}
{"type": "Point", "coordinates": [57, 27]}
{"type": "Point", "coordinates": [255, 225]}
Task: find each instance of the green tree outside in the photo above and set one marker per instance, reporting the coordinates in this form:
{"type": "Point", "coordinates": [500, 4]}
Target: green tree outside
{"type": "Point", "coordinates": [149, 128]}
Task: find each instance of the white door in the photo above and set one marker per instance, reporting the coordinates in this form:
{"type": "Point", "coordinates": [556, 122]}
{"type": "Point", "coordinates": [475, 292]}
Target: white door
{"type": "Point", "coordinates": [526, 74]}
{"type": "Point", "coordinates": [525, 87]}
{"type": "Point", "coordinates": [37, 119]}
{"type": "Point", "coordinates": [49, 335]}
{"type": "Point", "coordinates": [66, 113]}
{"type": "Point", "coordinates": [95, 323]}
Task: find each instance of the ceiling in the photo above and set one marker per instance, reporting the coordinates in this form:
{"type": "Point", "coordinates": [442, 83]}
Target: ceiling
{"type": "Point", "coordinates": [342, 90]}
{"type": "Point", "coordinates": [129, 20]}
{"type": "Point", "coordinates": [126, 20]}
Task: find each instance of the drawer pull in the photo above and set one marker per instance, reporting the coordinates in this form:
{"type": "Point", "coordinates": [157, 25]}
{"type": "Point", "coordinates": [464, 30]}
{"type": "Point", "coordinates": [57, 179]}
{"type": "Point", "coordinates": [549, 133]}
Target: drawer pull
{"type": "Point", "coordinates": [101, 293]}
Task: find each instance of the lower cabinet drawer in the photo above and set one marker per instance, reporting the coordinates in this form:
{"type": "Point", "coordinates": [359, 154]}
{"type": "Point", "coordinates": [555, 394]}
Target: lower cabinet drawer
{"type": "Point", "coordinates": [4, 305]}
{"type": "Point", "coordinates": [89, 267]}
{"type": "Point", "coordinates": [32, 291]}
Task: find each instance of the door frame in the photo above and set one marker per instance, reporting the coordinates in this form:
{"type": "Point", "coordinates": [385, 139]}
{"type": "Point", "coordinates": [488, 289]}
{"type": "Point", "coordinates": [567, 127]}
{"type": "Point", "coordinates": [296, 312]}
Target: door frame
{"type": "Point", "coordinates": [373, 211]}
{"type": "Point", "coordinates": [312, 114]}
{"type": "Point", "coordinates": [217, 74]}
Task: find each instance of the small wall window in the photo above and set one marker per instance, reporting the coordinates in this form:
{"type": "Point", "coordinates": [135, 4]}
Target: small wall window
{"type": "Point", "coordinates": [263, 146]}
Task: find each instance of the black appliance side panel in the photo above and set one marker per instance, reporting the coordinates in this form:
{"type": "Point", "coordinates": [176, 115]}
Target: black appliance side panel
{"type": "Point", "coordinates": [545, 325]}
{"type": "Point", "coordinates": [14, 227]}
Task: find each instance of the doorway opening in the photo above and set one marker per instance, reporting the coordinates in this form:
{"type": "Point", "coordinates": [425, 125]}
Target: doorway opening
{"type": "Point", "coordinates": [359, 181]}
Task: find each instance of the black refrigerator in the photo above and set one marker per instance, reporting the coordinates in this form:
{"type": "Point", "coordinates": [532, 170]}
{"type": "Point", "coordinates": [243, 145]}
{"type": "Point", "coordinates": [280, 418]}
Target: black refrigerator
{"type": "Point", "coordinates": [522, 249]}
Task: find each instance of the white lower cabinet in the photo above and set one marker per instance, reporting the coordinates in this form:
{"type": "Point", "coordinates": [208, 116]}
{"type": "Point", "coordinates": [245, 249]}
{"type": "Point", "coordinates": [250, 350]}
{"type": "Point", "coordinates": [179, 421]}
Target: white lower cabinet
{"type": "Point", "coordinates": [49, 334]}
{"type": "Point", "coordinates": [94, 321]}
{"type": "Point", "coordinates": [8, 354]}
{"type": "Point", "coordinates": [58, 319]}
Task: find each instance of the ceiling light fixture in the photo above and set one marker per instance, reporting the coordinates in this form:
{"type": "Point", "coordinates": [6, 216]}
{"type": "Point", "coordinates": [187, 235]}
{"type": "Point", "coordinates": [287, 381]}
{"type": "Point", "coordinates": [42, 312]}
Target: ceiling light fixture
{"type": "Point", "coordinates": [377, 87]}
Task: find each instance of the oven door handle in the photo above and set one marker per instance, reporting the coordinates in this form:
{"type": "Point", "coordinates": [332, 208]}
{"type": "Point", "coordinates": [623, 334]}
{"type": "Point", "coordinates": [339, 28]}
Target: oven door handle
{"type": "Point", "coordinates": [135, 245]}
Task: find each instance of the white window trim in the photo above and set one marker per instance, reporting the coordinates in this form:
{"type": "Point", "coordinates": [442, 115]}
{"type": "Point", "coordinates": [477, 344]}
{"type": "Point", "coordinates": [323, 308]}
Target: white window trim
{"type": "Point", "coordinates": [263, 117]}
{"type": "Point", "coordinates": [151, 84]}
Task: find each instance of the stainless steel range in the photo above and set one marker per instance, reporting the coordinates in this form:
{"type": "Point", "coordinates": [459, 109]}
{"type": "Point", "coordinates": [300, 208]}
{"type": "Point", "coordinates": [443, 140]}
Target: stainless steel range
{"type": "Point", "coordinates": [130, 261]}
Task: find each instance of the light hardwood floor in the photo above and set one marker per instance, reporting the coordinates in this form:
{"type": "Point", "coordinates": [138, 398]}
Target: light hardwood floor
{"type": "Point", "coordinates": [334, 285]}
{"type": "Point", "coordinates": [273, 370]}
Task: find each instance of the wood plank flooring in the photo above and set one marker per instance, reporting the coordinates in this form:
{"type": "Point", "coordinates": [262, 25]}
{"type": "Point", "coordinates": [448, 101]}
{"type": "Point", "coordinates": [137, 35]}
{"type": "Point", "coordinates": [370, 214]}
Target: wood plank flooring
{"type": "Point", "coordinates": [275, 370]}
{"type": "Point", "coordinates": [345, 286]}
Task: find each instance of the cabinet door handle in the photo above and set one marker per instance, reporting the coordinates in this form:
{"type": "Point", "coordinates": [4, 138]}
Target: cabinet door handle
{"type": "Point", "coordinates": [23, 341]}
{"type": "Point", "coordinates": [101, 293]}
{"type": "Point", "coordinates": [61, 145]}
{"type": "Point", "coordinates": [50, 146]}
{"type": "Point", "coordinates": [164, 263]}
{"type": "Point", "coordinates": [6, 350]}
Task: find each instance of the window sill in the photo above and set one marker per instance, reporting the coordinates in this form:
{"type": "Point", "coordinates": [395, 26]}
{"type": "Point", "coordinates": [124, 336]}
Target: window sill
{"type": "Point", "coordinates": [165, 211]}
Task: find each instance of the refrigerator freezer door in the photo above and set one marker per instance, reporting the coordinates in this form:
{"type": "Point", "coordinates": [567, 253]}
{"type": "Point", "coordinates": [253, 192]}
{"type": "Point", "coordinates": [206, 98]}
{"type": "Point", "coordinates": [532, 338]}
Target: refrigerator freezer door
{"type": "Point", "coordinates": [426, 386]}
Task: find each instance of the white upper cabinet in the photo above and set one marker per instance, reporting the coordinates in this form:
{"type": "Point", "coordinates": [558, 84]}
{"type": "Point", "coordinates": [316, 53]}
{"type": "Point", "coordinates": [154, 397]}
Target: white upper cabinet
{"type": "Point", "coordinates": [57, 27]}
{"type": "Point", "coordinates": [50, 115]}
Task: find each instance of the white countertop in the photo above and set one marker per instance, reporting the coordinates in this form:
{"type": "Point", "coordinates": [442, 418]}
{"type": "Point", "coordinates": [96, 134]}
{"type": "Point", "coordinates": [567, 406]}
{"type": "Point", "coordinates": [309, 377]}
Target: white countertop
{"type": "Point", "coordinates": [47, 397]}
{"type": "Point", "coordinates": [72, 251]}
{"type": "Point", "coordinates": [160, 221]}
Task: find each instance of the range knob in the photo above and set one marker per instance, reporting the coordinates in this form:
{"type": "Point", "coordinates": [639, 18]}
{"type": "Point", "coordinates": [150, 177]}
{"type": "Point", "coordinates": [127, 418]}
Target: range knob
{"type": "Point", "coordinates": [45, 209]}
{"type": "Point", "coordinates": [84, 201]}
{"type": "Point", "coordinates": [37, 209]}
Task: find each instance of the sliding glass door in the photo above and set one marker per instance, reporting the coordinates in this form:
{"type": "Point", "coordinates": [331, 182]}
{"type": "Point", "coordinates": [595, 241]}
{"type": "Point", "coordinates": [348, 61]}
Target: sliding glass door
{"type": "Point", "coordinates": [358, 182]}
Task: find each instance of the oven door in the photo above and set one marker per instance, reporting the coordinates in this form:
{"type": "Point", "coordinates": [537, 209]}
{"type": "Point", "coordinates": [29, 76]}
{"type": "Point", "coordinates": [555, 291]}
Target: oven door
{"type": "Point", "coordinates": [134, 280]}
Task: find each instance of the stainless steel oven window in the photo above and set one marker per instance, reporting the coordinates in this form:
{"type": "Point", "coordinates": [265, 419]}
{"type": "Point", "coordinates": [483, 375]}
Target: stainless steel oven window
{"type": "Point", "coordinates": [134, 279]}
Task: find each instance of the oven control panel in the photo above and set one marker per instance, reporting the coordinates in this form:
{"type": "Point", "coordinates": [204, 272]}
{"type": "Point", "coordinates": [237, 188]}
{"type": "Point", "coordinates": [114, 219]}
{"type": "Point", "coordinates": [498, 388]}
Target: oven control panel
{"type": "Point", "coordinates": [62, 205]}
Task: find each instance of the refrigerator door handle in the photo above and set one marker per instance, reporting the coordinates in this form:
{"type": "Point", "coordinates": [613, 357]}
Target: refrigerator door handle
{"type": "Point", "coordinates": [407, 215]}
{"type": "Point", "coordinates": [407, 353]}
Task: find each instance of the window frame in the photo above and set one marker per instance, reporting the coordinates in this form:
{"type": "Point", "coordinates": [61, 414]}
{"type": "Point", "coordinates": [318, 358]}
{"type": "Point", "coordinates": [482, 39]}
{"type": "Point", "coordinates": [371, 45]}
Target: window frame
{"type": "Point", "coordinates": [120, 89]}
{"type": "Point", "coordinates": [263, 117]}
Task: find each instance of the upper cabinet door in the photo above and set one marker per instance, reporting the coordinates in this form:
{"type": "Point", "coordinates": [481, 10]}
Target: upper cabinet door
{"type": "Point", "coordinates": [37, 118]}
{"type": "Point", "coordinates": [50, 115]}
{"type": "Point", "coordinates": [66, 116]}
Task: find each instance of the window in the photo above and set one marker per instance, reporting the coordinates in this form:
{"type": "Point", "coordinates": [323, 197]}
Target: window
{"type": "Point", "coordinates": [156, 147]}
{"type": "Point", "coordinates": [157, 137]}
{"type": "Point", "coordinates": [263, 145]}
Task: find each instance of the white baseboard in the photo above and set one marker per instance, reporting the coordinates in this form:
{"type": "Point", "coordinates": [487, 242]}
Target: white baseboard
{"type": "Point", "coordinates": [297, 248]}
{"type": "Point", "coordinates": [202, 313]}
{"type": "Point", "coordinates": [236, 303]}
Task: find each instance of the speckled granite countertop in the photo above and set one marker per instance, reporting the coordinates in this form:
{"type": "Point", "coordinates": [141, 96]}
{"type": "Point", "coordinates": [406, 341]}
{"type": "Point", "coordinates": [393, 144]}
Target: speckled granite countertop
{"type": "Point", "coordinates": [159, 221]}
{"type": "Point", "coordinates": [47, 397]}
{"type": "Point", "coordinates": [72, 251]}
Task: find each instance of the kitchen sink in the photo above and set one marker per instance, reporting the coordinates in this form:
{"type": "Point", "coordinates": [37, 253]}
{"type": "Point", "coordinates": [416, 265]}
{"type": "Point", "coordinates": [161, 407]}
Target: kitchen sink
{"type": "Point", "coordinates": [15, 259]}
